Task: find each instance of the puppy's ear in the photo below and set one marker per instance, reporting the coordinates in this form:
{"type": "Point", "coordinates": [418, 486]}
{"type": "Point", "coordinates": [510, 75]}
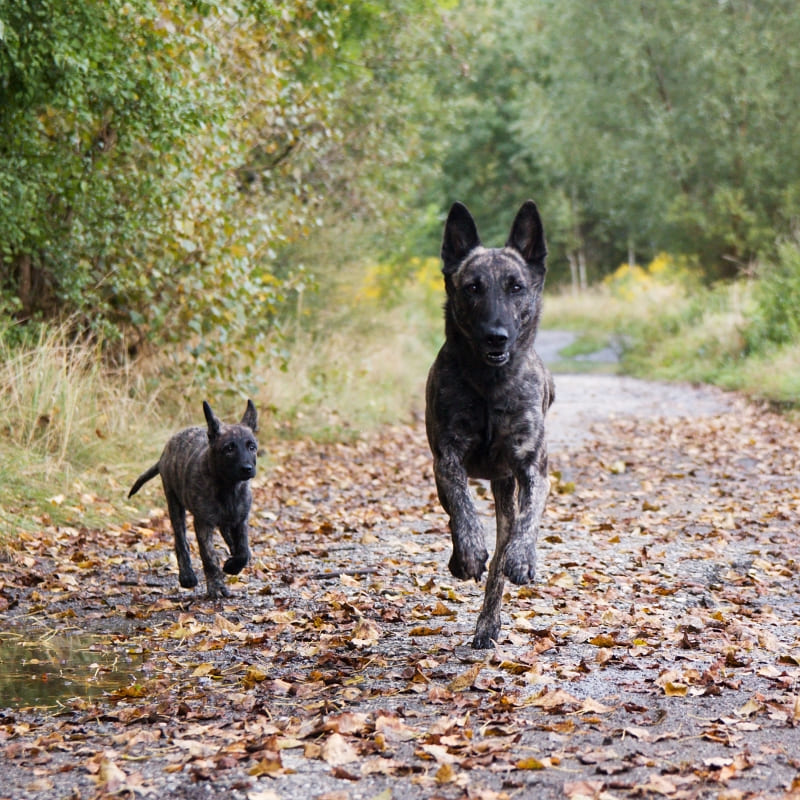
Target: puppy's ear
{"type": "Point", "coordinates": [460, 237]}
{"type": "Point", "coordinates": [213, 422]}
{"type": "Point", "coordinates": [527, 236]}
{"type": "Point", "coordinates": [250, 417]}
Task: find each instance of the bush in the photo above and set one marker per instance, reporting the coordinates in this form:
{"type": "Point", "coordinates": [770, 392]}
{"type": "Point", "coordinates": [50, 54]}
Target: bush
{"type": "Point", "coordinates": [776, 320]}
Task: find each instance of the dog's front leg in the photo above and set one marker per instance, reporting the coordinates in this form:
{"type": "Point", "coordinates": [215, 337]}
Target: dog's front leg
{"type": "Point", "coordinates": [177, 516]}
{"type": "Point", "coordinates": [488, 627]}
{"type": "Point", "coordinates": [520, 560]}
{"type": "Point", "coordinates": [469, 546]}
{"type": "Point", "coordinates": [236, 538]}
{"type": "Point", "coordinates": [215, 581]}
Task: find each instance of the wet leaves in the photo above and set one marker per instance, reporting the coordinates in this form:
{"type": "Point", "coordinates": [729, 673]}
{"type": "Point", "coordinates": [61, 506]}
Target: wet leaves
{"type": "Point", "coordinates": [656, 656]}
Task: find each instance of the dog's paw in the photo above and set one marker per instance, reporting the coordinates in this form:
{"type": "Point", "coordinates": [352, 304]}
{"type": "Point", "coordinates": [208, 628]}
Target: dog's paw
{"type": "Point", "coordinates": [520, 561]}
{"type": "Point", "coordinates": [234, 565]}
{"type": "Point", "coordinates": [485, 636]}
{"type": "Point", "coordinates": [216, 591]}
{"type": "Point", "coordinates": [467, 564]}
{"type": "Point", "coordinates": [187, 579]}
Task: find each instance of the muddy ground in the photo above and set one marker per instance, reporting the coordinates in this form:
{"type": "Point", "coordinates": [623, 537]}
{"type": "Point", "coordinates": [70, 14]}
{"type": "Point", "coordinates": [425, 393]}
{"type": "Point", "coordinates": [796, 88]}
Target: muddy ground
{"type": "Point", "coordinates": [656, 656]}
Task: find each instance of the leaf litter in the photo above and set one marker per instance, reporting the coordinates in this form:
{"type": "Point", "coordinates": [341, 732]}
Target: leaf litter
{"type": "Point", "coordinates": [657, 655]}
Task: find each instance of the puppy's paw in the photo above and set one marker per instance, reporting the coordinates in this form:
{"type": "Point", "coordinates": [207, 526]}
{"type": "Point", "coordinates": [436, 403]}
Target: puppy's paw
{"type": "Point", "coordinates": [520, 561]}
{"type": "Point", "coordinates": [235, 564]}
{"type": "Point", "coordinates": [217, 591]}
{"type": "Point", "coordinates": [486, 634]}
{"type": "Point", "coordinates": [187, 579]}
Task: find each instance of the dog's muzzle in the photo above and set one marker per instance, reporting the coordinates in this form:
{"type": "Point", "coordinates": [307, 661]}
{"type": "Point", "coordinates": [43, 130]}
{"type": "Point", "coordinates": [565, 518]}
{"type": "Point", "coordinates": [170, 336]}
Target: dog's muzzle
{"type": "Point", "coordinates": [247, 471]}
{"type": "Point", "coordinates": [496, 352]}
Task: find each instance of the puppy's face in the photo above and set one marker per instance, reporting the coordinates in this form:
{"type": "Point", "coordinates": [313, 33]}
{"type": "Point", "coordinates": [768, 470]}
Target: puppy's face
{"type": "Point", "coordinates": [234, 452]}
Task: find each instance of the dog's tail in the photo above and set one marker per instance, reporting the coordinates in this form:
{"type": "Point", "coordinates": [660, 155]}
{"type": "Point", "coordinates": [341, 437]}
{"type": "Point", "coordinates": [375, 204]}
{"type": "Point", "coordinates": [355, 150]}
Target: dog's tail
{"type": "Point", "coordinates": [142, 479]}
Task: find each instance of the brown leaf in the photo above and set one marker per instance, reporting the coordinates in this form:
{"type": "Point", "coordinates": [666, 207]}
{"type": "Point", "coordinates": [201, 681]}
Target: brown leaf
{"type": "Point", "coordinates": [348, 722]}
{"type": "Point", "coordinates": [445, 774]}
{"type": "Point", "coordinates": [529, 763]}
{"type": "Point", "coordinates": [591, 706]}
{"type": "Point", "coordinates": [550, 700]}
{"type": "Point", "coordinates": [465, 681]}
{"type": "Point", "coordinates": [366, 633]}
{"type": "Point", "coordinates": [424, 630]}
{"type": "Point", "coordinates": [394, 729]}
{"type": "Point", "coordinates": [583, 790]}
{"type": "Point", "coordinates": [336, 750]}
{"type": "Point", "coordinates": [658, 784]}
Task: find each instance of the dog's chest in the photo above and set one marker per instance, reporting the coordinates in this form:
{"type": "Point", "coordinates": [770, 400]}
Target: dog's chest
{"type": "Point", "coordinates": [233, 505]}
{"type": "Point", "coordinates": [505, 422]}
{"type": "Point", "coordinates": [501, 439]}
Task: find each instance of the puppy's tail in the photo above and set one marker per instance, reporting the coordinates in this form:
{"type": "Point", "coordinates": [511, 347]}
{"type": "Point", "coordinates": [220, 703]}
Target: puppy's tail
{"type": "Point", "coordinates": [142, 479]}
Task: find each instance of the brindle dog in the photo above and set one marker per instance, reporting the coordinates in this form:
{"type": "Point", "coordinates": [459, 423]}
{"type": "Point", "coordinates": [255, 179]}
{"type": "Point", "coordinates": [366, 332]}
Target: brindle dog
{"type": "Point", "coordinates": [487, 396]}
{"type": "Point", "coordinates": [208, 472]}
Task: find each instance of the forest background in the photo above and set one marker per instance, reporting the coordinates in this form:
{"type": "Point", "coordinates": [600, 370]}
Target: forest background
{"type": "Point", "coordinates": [245, 198]}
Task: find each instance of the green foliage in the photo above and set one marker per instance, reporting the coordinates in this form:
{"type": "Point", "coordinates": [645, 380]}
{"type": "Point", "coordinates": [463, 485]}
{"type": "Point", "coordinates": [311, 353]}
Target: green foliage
{"type": "Point", "coordinates": [89, 112]}
{"type": "Point", "coordinates": [196, 177]}
{"type": "Point", "coordinates": [661, 126]}
{"type": "Point", "coordinates": [162, 164]}
{"type": "Point", "coordinates": [776, 319]}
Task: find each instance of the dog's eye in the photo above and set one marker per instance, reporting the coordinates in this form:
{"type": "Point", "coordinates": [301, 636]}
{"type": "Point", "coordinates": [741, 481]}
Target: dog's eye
{"type": "Point", "coordinates": [251, 446]}
{"type": "Point", "coordinates": [473, 288]}
{"type": "Point", "coordinates": [515, 287]}
{"type": "Point", "coordinates": [229, 448]}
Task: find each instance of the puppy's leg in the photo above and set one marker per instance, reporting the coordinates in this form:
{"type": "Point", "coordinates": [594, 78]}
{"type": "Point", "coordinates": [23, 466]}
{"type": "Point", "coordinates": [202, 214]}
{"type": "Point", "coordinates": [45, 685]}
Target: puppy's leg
{"type": "Point", "coordinates": [215, 581]}
{"type": "Point", "coordinates": [177, 516]}
{"type": "Point", "coordinates": [488, 628]}
{"type": "Point", "coordinates": [469, 547]}
{"type": "Point", "coordinates": [237, 540]}
{"type": "Point", "coordinates": [520, 561]}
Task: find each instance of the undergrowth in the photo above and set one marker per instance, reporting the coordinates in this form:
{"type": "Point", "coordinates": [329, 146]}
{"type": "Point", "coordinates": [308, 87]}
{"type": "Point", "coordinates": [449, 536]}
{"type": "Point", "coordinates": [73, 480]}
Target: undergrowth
{"type": "Point", "coordinates": [73, 429]}
{"type": "Point", "coordinates": [740, 335]}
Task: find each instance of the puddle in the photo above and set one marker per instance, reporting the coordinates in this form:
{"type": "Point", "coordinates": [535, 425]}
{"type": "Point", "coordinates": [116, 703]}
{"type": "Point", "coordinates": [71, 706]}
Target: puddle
{"type": "Point", "coordinates": [46, 669]}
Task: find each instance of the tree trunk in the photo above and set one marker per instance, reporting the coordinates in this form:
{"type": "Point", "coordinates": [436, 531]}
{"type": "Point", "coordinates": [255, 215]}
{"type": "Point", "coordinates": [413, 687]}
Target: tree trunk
{"type": "Point", "coordinates": [582, 269]}
{"type": "Point", "coordinates": [25, 283]}
{"type": "Point", "coordinates": [573, 271]}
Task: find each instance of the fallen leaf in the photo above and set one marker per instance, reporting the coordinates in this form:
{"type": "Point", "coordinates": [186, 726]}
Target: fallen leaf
{"type": "Point", "coordinates": [366, 633]}
{"type": "Point", "coordinates": [465, 681]}
{"type": "Point", "coordinates": [550, 700]}
{"type": "Point", "coordinates": [336, 750]}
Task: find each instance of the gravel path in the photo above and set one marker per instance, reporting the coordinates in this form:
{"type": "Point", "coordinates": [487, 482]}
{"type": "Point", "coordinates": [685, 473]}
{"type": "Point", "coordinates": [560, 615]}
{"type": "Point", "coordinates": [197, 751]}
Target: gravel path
{"type": "Point", "coordinates": [588, 398]}
{"type": "Point", "coordinates": [657, 655]}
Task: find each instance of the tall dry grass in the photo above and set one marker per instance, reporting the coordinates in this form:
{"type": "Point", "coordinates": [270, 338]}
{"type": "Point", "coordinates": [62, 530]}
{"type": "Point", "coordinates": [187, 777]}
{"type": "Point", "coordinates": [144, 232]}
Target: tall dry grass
{"type": "Point", "coordinates": [68, 425]}
{"type": "Point", "coordinates": [61, 405]}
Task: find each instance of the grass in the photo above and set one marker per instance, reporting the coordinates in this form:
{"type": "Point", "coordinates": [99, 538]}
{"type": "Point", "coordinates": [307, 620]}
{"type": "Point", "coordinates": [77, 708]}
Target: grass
{"type": "Point", "coordinates": [354, 370]}
{"type": "Point", "coordinates": [64, 417]}
{"type": "Point", "coordinates": [74, 433]}
{"type": "Point", "coordinates": [677, 333]}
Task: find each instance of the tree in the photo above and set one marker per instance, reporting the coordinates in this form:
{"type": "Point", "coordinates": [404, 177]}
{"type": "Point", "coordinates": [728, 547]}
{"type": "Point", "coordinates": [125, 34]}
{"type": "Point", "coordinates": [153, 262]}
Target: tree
{"type": "Point", "coordinates": [90, 114]}
{"type": "Point", "coordinates": [641, 127]}
{"type": "Point", "coordinates": [162, 163]}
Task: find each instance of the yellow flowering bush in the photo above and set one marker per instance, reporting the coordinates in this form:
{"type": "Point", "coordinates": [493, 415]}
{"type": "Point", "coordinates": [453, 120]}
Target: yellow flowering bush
{"type": "Point", "coordinates": [630, 281]}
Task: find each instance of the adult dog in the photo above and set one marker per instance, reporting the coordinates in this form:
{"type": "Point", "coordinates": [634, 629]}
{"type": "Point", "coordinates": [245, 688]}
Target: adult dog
{"type": "Point", "coordinates": [208, 471]}
{"type": "Point", "coordinates": [486, 399]}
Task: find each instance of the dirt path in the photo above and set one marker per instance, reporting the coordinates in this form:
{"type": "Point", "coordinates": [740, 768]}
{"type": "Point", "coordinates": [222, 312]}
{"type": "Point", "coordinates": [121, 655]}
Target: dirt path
{"type": "Point", "coordinates": [656, 656]}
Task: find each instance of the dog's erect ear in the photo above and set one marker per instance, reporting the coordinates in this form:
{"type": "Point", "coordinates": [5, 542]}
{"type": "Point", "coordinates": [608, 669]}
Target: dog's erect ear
{"type": "Point", "coordinates": [213, 422]}
{"type": "Point", "coordinates": [460, 237]}
{"type": "Point", "coordinates": [250, 417]}
{"type": "Point", "coordinates": [527, 236]}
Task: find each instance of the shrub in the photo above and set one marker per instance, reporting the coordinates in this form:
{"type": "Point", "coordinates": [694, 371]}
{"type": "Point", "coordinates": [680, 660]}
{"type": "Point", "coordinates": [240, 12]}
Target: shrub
{"type": "Point", "coordinates": [776, 320]}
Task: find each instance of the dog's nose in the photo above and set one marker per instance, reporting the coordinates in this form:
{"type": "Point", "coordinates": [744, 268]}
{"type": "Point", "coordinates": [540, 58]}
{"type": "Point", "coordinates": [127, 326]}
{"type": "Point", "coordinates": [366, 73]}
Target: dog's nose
{"type": "Point", "coordinates": [497, 337]}
{"type": "Point", "coordinates": [246, 471]}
